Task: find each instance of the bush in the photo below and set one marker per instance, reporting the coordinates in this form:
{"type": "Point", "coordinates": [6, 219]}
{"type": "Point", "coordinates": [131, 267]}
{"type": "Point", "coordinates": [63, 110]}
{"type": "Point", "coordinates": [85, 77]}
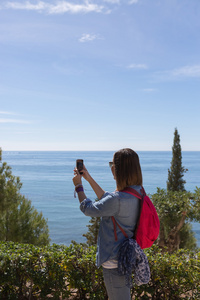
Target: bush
{"type": "Point", "coordinates": [173, 276]}
{"type": "Point", "coordinates": [30, 272]}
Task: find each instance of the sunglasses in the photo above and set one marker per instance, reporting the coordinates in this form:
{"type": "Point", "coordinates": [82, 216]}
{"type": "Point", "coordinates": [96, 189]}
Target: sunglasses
{"type": "Point", "coordinates": [110, 164]}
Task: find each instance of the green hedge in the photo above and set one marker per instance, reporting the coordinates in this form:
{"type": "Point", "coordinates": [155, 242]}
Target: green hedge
{"type": "Point", "coordinates": [30, 272]}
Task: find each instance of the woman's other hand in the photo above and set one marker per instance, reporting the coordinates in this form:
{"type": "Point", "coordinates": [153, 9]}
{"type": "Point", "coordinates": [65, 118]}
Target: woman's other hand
{"type": "Point", "coordinates": [77, 179]}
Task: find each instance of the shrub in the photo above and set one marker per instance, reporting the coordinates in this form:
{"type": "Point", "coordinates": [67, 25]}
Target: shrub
{"type": "Point", "coordinates": [173, 276]}
{"type": "Point", "coordinates": [30, 272]}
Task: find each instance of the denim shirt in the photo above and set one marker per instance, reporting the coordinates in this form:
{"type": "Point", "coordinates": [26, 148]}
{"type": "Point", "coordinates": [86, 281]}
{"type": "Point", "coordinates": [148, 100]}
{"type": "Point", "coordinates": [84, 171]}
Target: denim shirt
{"type": "Point", "coordinates": [125, 208]}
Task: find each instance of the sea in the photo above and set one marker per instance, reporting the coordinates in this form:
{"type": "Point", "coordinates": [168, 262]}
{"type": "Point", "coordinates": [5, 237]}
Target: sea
{"type": "Point", "coordinates": [47, 182]}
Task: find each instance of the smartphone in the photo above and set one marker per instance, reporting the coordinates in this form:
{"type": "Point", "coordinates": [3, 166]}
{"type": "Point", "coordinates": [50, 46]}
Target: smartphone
{"type": "Point", "coordinates": [79, 165]}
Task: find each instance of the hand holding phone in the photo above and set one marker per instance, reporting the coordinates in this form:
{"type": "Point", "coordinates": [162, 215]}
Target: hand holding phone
{"type": "Point", "coordinates": [79, 165]}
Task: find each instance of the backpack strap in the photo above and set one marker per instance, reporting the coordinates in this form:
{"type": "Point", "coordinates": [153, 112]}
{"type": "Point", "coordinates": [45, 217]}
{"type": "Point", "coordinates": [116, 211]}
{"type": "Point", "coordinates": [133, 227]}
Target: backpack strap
{"type": "Point", "coordinates": [133, 192]}
{"type": "Point", "coordinates": [115, 224]}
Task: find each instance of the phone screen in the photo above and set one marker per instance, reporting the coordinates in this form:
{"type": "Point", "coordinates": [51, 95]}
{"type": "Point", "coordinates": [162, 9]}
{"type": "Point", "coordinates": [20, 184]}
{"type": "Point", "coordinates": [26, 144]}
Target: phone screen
{"type": "Point", "coordinates": [79, 165]}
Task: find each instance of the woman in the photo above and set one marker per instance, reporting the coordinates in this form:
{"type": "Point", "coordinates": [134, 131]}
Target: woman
{"type": "Point", "coordinates": [124, 207]}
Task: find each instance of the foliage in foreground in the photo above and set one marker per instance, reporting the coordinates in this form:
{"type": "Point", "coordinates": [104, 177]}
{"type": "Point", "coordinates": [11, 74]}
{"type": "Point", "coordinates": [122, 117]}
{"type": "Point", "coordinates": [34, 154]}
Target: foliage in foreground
{"type": "Point", "coordinates": [30, 272]}
{"type": "Point", "coordinates": [19, 220]}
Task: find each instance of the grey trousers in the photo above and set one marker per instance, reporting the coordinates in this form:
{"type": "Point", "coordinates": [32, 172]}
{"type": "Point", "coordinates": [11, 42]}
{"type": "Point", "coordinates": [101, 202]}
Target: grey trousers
{"type": "Point", "coordinates": [115, 285]}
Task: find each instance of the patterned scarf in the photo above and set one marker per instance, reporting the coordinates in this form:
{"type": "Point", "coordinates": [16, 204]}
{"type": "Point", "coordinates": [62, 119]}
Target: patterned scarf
{"type": "Point", "coordinates": [131, 258]}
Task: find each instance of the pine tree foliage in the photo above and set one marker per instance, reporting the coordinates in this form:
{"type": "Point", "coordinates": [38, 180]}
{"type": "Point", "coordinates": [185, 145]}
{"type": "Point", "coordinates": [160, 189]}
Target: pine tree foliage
{"type": "Point", "coordinates": [93, 230]}
{"type": "Point", "coordinates": [176, 172]}
{"type": "Point", "coordinates": [19, 220]}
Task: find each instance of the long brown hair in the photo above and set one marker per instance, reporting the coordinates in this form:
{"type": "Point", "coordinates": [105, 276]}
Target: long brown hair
{"type": "Point", "coordinates": [127, 168]}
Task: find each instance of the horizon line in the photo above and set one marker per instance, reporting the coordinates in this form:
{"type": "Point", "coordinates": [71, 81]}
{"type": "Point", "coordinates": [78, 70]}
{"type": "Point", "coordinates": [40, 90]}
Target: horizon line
{"type": "Point", "coordinates": [92, 150]}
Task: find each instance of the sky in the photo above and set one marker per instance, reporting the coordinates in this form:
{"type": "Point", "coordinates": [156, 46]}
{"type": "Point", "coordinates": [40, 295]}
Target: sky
{"type": "Point", "coordinates": [99, 75]}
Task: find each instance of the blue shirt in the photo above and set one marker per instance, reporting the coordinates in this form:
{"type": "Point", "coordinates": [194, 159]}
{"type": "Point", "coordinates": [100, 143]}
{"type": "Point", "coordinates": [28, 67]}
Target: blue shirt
{"type": "Point", "coordinates": [125, 208]}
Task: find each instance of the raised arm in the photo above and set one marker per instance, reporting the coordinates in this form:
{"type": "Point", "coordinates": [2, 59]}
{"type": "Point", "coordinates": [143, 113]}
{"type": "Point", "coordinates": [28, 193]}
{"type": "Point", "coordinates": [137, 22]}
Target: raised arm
{"type": "Point", "coordinates": [96, 188]}
{"type": "Point", "coordinates": [77, 180]}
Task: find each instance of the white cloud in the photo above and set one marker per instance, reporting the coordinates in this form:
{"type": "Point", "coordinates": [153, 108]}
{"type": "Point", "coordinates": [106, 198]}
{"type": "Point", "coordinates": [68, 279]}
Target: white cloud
{"type": "Point", "coordinates": [57, 8]}
{"type": "Point", "coordinates": [86, 37]}
{"type": "Point", "coordinates": [14, 121]}
{"type": "Point", "coordinates": [187, 71]}
{"type": "Point", "coordinates": [130, 2]}
{"type": "Point", "coordinates": [7, 118]}
{"type": "Point", "coordinates": [192, 71]}
{"type": "Point", "coordinates": [64, 6]}
{"type": "Point", "coordinates": [112, 1]}
{"type": "Point", "coordinates": [26, 5]}
{"type": "Point", "coordinates": [137, 66]}
{"type": "Point", "coordinates": [133, 1]}
{"type": "Point", "coordinates": [6, 113]}
{"type": "Point", "coordinates": [149, 90]}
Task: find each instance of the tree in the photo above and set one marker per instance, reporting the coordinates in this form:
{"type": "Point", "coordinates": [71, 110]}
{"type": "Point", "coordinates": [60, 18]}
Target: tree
{"type": "Point", "coordinates": [93, 230]}
{"type": "Point", "coordinates": [175, 174]}
{"type": "Point", "coordinates": [176, 210]}
{"type": "Point", "coordinates": [19, 220]}
{"type": "Point", "coordinates": [176, 207]}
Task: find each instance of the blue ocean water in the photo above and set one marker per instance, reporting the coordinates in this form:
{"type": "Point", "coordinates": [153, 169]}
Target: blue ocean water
{"type": "Point", "coordinates": [47, 182]}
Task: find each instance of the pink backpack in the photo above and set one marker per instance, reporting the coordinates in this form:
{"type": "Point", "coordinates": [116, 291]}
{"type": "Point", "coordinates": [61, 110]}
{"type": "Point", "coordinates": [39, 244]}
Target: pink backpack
{"type": "Point", "coordinates": [148, 224]}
